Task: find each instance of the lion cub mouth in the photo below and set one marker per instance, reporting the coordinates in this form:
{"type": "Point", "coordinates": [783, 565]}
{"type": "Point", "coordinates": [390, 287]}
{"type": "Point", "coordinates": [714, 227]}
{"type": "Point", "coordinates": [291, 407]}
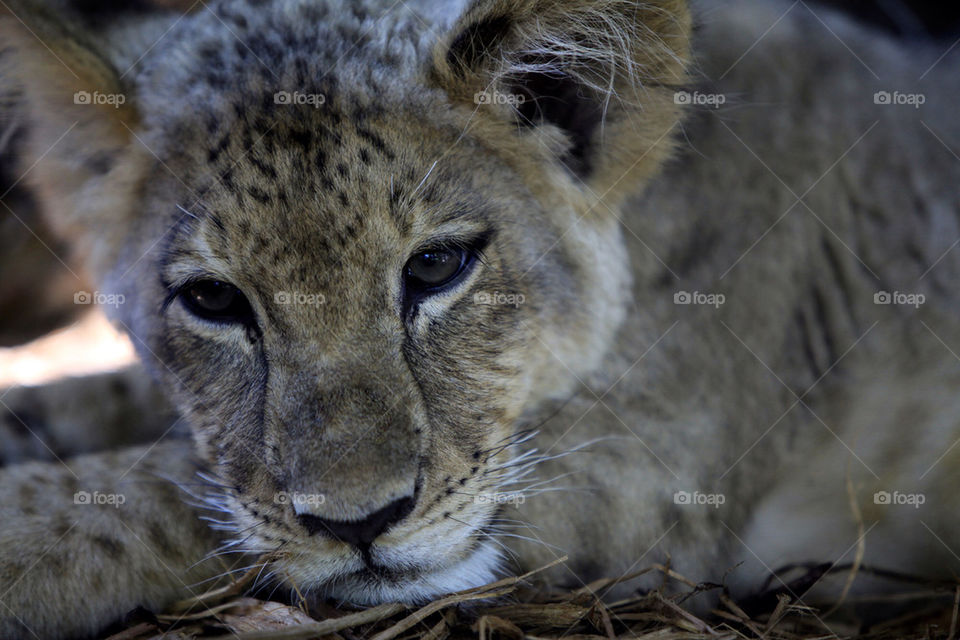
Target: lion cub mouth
{"type": "Point", "coordinates": [376, 580]}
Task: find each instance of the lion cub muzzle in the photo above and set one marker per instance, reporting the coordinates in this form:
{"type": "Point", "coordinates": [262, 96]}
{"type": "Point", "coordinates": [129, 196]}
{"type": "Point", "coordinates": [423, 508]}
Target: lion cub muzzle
{"type": "Point", "coordinates": [361, 533]}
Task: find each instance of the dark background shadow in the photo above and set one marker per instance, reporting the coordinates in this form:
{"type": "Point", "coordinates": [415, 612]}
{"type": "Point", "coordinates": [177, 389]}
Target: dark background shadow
{"type": "Point", "coordinates": [915, 19]}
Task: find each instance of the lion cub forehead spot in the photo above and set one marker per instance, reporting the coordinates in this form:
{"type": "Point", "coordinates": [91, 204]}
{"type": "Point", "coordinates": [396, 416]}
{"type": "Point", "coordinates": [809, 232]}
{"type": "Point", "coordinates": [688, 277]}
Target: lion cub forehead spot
{"type": "Point", "coordinates": [392, 205]}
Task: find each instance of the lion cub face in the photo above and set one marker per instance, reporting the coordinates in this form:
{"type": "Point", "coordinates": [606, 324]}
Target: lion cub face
{"type": "Point", "coordinates": [362, 337]}
{"type": "Point", "coordinates": [358, 266]}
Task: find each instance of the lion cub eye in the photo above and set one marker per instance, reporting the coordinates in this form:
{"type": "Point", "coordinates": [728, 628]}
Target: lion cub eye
{"type": "Point", "coordinates": [216, 300]}
{"type": "Point", "coordinates": [435, 268]}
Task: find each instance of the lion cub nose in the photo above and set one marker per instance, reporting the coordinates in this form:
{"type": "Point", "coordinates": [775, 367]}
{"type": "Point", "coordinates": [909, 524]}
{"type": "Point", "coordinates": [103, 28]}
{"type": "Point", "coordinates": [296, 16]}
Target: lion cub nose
{"type": "Point", "coordinates": [361, 533]}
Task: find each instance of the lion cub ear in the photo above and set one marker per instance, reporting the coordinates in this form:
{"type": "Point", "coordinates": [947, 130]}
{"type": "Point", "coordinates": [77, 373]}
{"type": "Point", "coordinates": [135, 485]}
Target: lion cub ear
{"type": "Point", "coordinates": [76, 113]}
{"type": "Point", "coordinates": [602, 72]}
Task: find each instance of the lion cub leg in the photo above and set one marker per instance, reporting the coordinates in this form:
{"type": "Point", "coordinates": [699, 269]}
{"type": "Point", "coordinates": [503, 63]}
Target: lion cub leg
{"type": "Point", "coordinates": [82, 415]}
{"type": "Point", "coordinates": [86, 540]}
